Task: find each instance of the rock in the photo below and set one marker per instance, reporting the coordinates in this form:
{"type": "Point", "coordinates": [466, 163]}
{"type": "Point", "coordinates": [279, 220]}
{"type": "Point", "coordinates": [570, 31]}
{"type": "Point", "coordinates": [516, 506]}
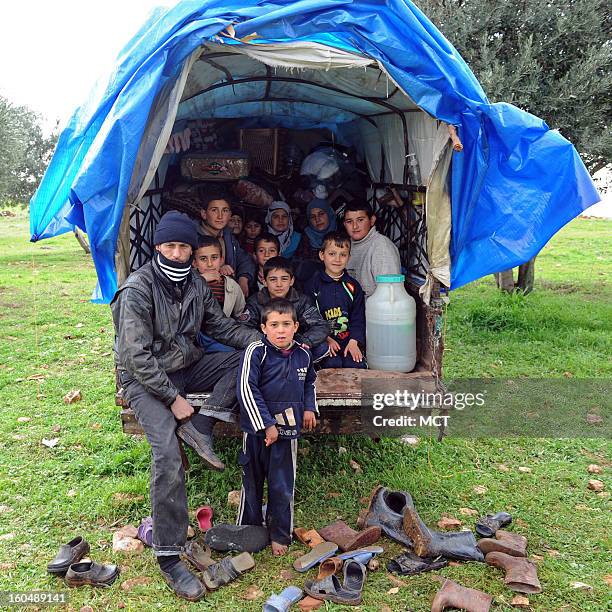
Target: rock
{"type": "Point", "coordinates": [126, 544]}
{"type": "Point", "coordinates": [520, 601]}
{"type": "Point", "coordinates": [449, 522]}
{"type": "Point", "coordinates": [355, 466]}
{"type": "Point", "coordinates": [86, 609]}
{"type": "Point", "coordinates": [410, 440]}
{"type": "Point", "coordinates": [52, 443]}
{"type": "Point", "coordinates": [253, 592]}
{"type": "Point", "coordinates": [342, 450]}
{"type": "Point", "coordinates": [56, 428]}
{"type": "Point", "coordinates": [121, 605]}
{"type": "Point", "coordinates": [468, 512]}
{"type": "Point", "coordinates": [71, 493]}
{"type": "Point", "coordinates": [596, 485]}
{"type": "Point", "coordinates": [72, 396]}
{"type": "Point", "coordinates": [480, 490]}
{"type": "Point", "coordinates": [503, 468]}
{"type": "Point", "coordinates": [393, 591]}
{"type": "Point", "coordinates": [129, 531]}
{"type": "Point", "coordinates": [128, 585]}
{"type": "Point", "coordinates": [594, 419]}
{"type": "Point", "coordinates": [604, 494]}
{"type": "Point", "coordinates": [583, 586]}
{"type": "Point", "coordinates": [233, 498]}
{"type": "Point", "coordinates": [23, 419]}
{"type": "Point", "coordinates": [7, 536]}
{"type": "Point", "coordinates": [524, 470]}
{"type": "Point", "coordinates": [594, 469]}
{"type": "Point", "coordinates": [608, 580]}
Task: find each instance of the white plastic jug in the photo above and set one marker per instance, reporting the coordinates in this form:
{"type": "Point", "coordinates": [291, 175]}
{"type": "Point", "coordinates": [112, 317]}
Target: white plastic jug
{"type": "Point", "coordinates": [391, 326]}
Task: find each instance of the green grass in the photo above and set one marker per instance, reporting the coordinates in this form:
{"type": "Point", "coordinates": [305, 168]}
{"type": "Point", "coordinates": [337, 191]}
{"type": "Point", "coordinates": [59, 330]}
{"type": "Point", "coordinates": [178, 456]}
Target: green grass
{"type": "Point", "coordinates": [96, 478]}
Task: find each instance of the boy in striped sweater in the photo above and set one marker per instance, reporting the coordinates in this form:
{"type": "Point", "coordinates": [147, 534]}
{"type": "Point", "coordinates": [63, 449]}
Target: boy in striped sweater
{"type": "Point", "coordinates": [276, 393]}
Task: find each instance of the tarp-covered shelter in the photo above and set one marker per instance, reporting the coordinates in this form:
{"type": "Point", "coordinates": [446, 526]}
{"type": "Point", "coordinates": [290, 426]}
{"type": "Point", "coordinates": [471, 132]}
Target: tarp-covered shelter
{"type": "Point", "coordinates": [378, 75]}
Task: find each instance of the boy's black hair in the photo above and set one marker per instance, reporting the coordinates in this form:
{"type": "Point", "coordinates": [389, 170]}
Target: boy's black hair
{"type": "Point", "coordinates": [358, 206]}
{"type": "Point", "coordinates": [340, 239]}
{"type": "Point", "coordinates": [215, 192]}
{"type": "Point", "coordinates": [278, 263]}
{"type": "Point", "coordinates": [208, 241]}
{"type": "Point", "coordinates": [279, 305]}
{"type": "Point", "coordinates": [254, 215]}
{"type": "Point", "coordinates": [266, 237]}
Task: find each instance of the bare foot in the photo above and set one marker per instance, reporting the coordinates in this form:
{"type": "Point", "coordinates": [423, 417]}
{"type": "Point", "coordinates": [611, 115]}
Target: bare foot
{"type": "Point", "coordinates": [278, 549]}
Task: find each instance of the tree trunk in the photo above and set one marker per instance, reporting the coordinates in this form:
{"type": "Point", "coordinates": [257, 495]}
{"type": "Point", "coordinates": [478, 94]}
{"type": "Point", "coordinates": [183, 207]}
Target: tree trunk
{"type": "Point", "coordinates": [82, 240]}
{"type": "Point", "coordinates": [505, 280]}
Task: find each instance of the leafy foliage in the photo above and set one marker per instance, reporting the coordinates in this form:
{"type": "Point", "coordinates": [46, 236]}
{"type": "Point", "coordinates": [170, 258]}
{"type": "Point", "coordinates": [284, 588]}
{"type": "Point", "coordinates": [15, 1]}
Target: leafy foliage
{"type": "Point", "coordinates": [552, 59]}
{"type": "Point", "coordinates": [24, 152]}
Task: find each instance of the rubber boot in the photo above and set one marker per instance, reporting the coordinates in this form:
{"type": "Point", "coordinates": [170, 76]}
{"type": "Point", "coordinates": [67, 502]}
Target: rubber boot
{"type": "Point", "coordinates": [506, 542]}
{"type": "Point", "coordinates": [348, 539]}
{"type": "Point", "coordinates": [521, 574]}
{"type": "Point", "coordinates": [453, 595]}
{"type": "Point", "coordinates": [386, 510]}
{"type": "Point", "coordinates": [486, 526]}
{"type": "Point", "coordinates": [459, 545]}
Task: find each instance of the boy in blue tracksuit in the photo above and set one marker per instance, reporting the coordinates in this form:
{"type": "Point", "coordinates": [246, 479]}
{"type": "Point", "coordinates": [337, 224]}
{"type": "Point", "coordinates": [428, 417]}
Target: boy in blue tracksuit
{"type": "Point", "coordinates": [276, 393]}
{"type": "Point", "coordinates": [341, 301]}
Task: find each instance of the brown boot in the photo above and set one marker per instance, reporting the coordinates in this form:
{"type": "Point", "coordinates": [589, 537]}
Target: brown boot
{"type": "Point", "coordinates": [309, 537]}
{"type": "Point", "coordinates": [512, 544]}
{"type": "Point", "coordinates": [348, 539]}
{"type": "Point", "coordinates": [459, 545]}
{"type": "Point", "coordinates": [453, 595]}
{"type": "Point", "coordinates": [521, 574]}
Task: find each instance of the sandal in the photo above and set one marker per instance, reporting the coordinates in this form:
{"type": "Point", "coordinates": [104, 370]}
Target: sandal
{"type": "Point", "coordinates": [145, 531]}
{"type": "Point", "coordinates": [284, 600]}
{"type": "Point", "coordinates": [227, 570]}
{"type": "Point", "coordinates": [372, 551]}
{"type": "Point", "coordinates": [354, 577]}
{"type": "Point", "coordinates": [319, 553]}
{"type": "Point", "coordinates": [198, 555]}
{"type": "Point", "coordinates": [329, 589]}
{"type": "Point", "coordinates": [204, 516]}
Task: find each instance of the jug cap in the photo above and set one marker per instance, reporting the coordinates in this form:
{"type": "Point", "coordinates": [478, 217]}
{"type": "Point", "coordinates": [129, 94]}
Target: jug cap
{"type": "Point", "coordinates": [390, 278]}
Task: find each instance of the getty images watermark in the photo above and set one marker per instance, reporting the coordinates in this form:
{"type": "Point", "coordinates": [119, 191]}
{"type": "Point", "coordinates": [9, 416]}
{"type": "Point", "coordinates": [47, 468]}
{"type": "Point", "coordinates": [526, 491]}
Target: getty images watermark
{"type": "Point", "coordinates": [494, 407]}
{"type": "Point", "coordinates": [422, 401]}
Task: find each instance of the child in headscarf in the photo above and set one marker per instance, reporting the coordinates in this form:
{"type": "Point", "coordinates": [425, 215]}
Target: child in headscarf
{"type": "Point", "coordinates": [321, 220]}
{"type": "Point", "coordinates": [280, 224]}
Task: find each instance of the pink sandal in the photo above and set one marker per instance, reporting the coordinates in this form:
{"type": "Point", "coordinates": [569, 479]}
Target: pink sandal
{"type": "Point", "coordinates": [204, 516]}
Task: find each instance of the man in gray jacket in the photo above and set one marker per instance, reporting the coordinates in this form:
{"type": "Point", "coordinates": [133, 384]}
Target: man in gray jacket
{"type": "Point", "coordinates": [158, 313]}
{"type": "Point", "coordinates": [371, 252]}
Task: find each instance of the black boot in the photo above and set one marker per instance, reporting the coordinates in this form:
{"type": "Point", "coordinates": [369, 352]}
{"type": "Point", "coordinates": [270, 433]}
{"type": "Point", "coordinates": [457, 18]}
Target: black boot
{"type": "Point", "coordinates": [409, 564]}
{"type": "Point", "coordinates": [489, 524]}
{"type": "Point", "coordinates": [386, 510]}
{"type": "Point", "coordinates": [201, 444]}
{"type": "Point", "coordinates": [427, 543]}
{"type": "Point", "coordinates": [184, 583]}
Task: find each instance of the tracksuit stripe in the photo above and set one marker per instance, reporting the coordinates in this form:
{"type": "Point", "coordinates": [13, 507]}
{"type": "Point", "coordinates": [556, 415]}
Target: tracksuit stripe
{"type": "Point", "coordinates": [247, 394]}
{"type": "Point", "coordinates": [242, 491]}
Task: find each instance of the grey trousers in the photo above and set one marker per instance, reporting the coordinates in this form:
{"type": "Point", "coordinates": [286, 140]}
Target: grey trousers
{"type": "Point", "coordinates": [216, 371]}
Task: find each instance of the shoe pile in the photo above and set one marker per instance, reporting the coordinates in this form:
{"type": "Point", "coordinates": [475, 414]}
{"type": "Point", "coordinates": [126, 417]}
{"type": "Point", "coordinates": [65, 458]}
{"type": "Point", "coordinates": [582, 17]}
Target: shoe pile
{"type": "Point", "coordinates": [71, 564]}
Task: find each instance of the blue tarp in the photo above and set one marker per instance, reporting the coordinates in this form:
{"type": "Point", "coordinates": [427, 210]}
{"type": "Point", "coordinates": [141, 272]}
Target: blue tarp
{"type": "Point", "coordinates": [516, 183]}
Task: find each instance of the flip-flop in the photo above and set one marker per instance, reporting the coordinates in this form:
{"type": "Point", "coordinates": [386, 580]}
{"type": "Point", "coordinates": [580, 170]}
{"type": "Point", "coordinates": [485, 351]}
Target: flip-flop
{"type": "Point", "coordinates": [145, 531]}
{"type": "Point", "coordinates": [319, 553]}
{"type": "Point", "coordinates": [284, 600]}
{"type": "Point", "coordinates": [227, 570]}
{"type": "Point", "coordinates": [198, 555]}
{"type": "Point", "coordinates": [204, 516]}
{"type": "Point", "coordinates": [240, 538]}
{"type": "Point", "coordinates": [364, 550]}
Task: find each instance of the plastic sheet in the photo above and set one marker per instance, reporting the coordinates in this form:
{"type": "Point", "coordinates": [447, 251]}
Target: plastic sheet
{"type": "Point", "coordinates": [514, 185]}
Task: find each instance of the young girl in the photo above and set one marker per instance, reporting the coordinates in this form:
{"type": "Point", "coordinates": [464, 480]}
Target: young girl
{"type": "Point", "coordinates": [280, 224]}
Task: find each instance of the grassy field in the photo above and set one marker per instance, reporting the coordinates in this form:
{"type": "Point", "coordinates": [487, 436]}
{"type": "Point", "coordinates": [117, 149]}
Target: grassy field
{"type": "Point", "coordinates": [95, 479]}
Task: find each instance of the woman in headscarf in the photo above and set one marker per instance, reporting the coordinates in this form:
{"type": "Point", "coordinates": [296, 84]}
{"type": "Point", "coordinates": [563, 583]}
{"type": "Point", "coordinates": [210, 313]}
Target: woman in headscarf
{"type": "Point", "coordinates": [280, 224]}
{"type": "Point", "coordinates": [321, 220]}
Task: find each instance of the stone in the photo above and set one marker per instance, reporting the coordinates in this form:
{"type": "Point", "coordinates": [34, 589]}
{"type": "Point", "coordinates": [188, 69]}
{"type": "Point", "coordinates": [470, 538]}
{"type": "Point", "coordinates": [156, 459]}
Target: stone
{"type": "Point", "coordinates": [596, 485]}
{"type": "Point", "coordinates": [520, 601]}
{"type": "Point", "coordinates": [233, 498]}
{"type": "Point", "coordinates": [126, 544]}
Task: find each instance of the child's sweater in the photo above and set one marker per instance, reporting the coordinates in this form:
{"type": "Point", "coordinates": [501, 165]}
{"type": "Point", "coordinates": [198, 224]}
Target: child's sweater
{"type": "Point", "coordinates": [341, 303]}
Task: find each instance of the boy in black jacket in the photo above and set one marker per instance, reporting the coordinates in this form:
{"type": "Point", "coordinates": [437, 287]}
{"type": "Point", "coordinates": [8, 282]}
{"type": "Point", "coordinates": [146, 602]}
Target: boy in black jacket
{"type": "Point", "coordinates": [276, 393]}
{"type": "Point", "coordinates": [340, 299]}
{"type": "Point", "coordinates": [279, 278]}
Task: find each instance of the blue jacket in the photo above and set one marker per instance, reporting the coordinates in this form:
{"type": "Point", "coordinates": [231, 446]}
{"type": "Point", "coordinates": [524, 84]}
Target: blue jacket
{"type": "Point", "coordinates": [341, 303]}
{"type": "Point", "coordinates": [275, 387]}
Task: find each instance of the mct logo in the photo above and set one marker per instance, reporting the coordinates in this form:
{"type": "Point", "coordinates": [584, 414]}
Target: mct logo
{"type": "Point", "coordinates": [302, 373]}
